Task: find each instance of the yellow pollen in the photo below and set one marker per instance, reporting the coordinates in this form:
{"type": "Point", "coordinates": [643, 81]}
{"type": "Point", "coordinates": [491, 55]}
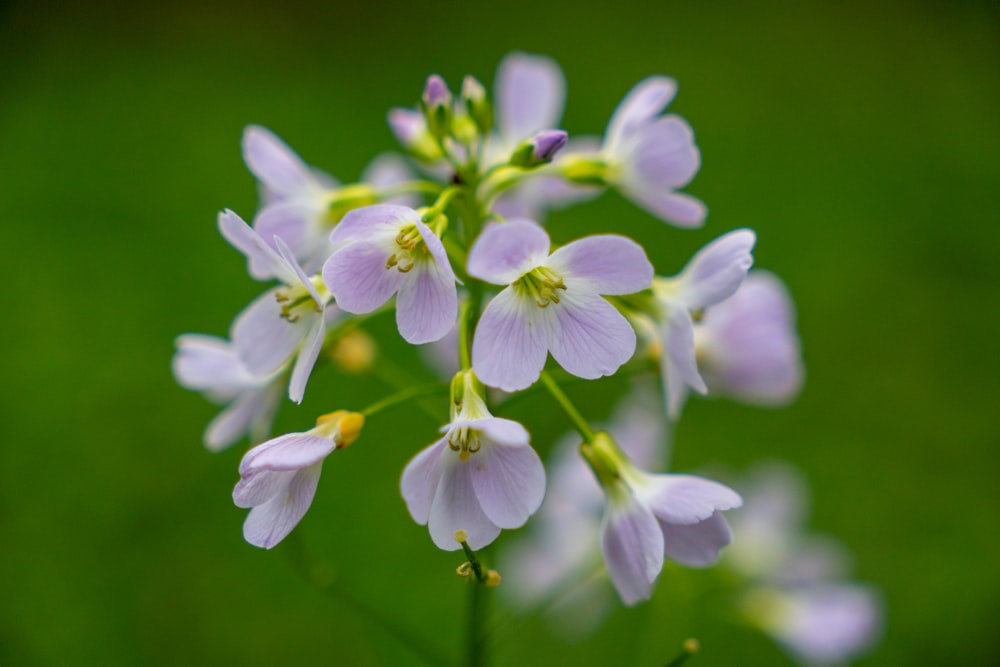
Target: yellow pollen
{"type": "Point", "coordinates": [541, 283]}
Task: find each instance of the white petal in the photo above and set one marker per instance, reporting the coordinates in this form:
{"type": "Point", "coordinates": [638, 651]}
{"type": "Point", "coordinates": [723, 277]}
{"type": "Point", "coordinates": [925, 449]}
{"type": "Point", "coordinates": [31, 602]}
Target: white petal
{"type": "Point", "coordinates": [506, 251]}
{"type": "Point", "coordinates": [717, 270]}
{"type": "Point", "coordinates": [209, 363]}
{"type": "Point", "coordinates": [456, 507]}
{"type": "Point", "coordinates": [274, 164]}
{"type": "Point", "coordinates": [678, 363]}
{"type": "Point", "coordinates": [633, 548]}
{"type": "Point", "coordinates": [420, 481]}
{"type": "Point", "coordinates": [686, 499]}
{"type": "Point", "coordinates": [373, 223]}
{"type": "Point", "coordinates": [509, 347]}
{"type": "Point", "coordinates": [307, 357]}
{"type": "Point", "coordinates": [696, 544]}
{"type": "Point", "coordinates": [509, 483]}
{"type": "Point", "coordinates": [641, 105]}
{"type": "Point", "coordinates": [265, 341]}
{"type": "Point", "coordinates": [264, 262]}
{"type": "Point", "coordinates": [587, 335]}
{"type": "Point", "coordinates": [610, 263]}
{"type": "Point", "coordinates": [268, 524]}
{"type": "Point", "coordinates": [358, 278]}
{"type": "Point", "coordinates": [676, 208]}
{"type": "Point", "coordinates": [427, 305]}
{"type": "Point", "coordinates": [250, 411]}
{"type": "Point", "coordinates": [530, 93]}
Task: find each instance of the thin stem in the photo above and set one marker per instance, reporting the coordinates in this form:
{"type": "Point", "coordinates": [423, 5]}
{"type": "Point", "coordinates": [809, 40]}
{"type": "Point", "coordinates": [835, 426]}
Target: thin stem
{"type": "Point", "coordinates": [442, 202]}
{"type": "Point", "coordinates": [689, 648]}
{"type": "Point", "coordinates": [476, 647]}
{"type": "Point", "coordinates": [574, 415]}
{"type": "Point", "coordinates": [406, 187]}
{"type": "Point", "coordinates": [403, 396]}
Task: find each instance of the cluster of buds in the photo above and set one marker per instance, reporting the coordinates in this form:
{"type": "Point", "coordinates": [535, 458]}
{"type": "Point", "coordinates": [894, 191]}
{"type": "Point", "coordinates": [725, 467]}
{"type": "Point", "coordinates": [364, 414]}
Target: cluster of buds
{"type": "Point", "coordinates": [450, 235]}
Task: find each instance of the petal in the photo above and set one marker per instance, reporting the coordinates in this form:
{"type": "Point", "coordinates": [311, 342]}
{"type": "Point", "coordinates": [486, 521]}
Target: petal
{"type": "Point", "coordinates": [509, 349]}
{"type": "Point", "coordinates": [370, 223]}
{"type": "Point", "coordinates": [588, 336]}
{"type": "Point", "coordinates": [530, 93]}
{"type": "Point", "coordinates": [502, 431]}
{"type": "Point", "coordinates": [673, 207]}
{"type": "Point", "coordinates": [296, 222]}
{"type": "Point", "coordinates": [407, 125]}
{"type": "Point", "coordinates": [268, 524]}
{"type": "Point", "coordinates": [264, 262]}
{"type": "Point", "coordinates": [686, 499]}
{"type": "Point", "coordinates": [307, 357]}
{"type": "Point", "coordinates": [455, 507]}
{"type": "Point", "coordinates": [665, 154]}
{"type": "Point", "coordinates": [251, 410]}
{"type": "Point", "coordinates": [209, 363]}
{"type": "Point", "coordinates": [506, 251]}
{"type": "Point", "coordinates": [696, 544]}
{"type": "Point", "coordinates": [829, 624]}
{"type": "Point", "coordinates": [717, 270]}
{"type": "Point", "coordinates": [610, 263]}
{"type": "Point", "coordinates": [678, 363]}
{"type": "Point", "coordinates": [388, 169]}
{"type": "Point", "coordinates": [420, 481]}
{"type": "Point", "coordinates": [300, 275]}
{"type": "Point", "coordinates": [358, 278]}
{"type": "Point", "coordinates": [274, 164]}
{"type": "Point", "coordinates": [264, 340]}
{"type": "Point", "coordinates": [509, 483]}
{"type": "Point", "coordinates": [427, 305]}
{"type": "Point", "coordinates": [291, 451]}
{"type": "Point", "coordinates": [633, 548]}
{"type": "Point", "coordinates": [644, 102]}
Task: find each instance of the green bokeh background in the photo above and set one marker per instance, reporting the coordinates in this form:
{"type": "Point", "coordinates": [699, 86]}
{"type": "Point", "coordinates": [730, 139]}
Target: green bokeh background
{"type": "Point", "coordinates": [860, 140]}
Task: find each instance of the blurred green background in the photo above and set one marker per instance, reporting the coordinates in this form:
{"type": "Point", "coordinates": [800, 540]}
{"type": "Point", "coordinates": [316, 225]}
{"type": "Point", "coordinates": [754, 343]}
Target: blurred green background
{"type": "Point", "coordinates": [860, 140]}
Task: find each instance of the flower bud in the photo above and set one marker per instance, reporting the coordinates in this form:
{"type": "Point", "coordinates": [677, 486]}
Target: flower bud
{"type": "Point", "coordinates": [478, 107]}
{"type": "Point", "coordinates": [436, 103]}
{"type": "Point", "coordinates": [540, 149]}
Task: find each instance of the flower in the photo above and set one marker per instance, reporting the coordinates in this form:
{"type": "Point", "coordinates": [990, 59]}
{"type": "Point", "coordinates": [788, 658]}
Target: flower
{"type": "Point", "coordinates": [481, 477]}
{"type": "Point", "coordinates": [211, 365]}
{"type": "Point", "coordinates": [553, 303]}
{"type": "Point", "coordinates": [385, 249]}
{"type": "Point", "coordinates": [747, 346]}
{"type": "Point", "coordinates": [712, 275]}
{"type": "Point", "coordinates": [648, 156]}
{"type": "Point", "coordinates": [278, 478]}
{"type": "Point", "coordinates": [283, 320]}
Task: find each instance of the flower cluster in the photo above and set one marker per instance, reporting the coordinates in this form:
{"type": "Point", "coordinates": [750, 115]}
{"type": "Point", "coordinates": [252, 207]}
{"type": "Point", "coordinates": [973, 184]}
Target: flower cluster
{"type": "Point", "coordinates": [450, 235]}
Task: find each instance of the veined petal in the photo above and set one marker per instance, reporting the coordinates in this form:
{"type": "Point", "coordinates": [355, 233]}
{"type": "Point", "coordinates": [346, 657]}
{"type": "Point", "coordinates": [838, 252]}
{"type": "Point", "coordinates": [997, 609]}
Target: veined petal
{"type": "Point", "coordinates": [209, 363]}
{"type": "Point", "coordinates": [263, 339]}
{"type": "Point", "coordinates": [686, 499]}
{"type": "Point", "coordinates": [644, 102]}
{"type": "Point", "coordinates": [611, 264]}
{"type": "Point", "coordinates": [587, 335]}
{"type": "Point", "coordinates": [717, 270]}
{"type": "Point", "coordinates": [291, 451]}
{"type": "Point", "coordinates": [696, 544]}
{"type": "Point", "coordinates": [373, 223]}
{"type": "Point", "coordinates": [420, 481]}
{"type": "Point", "coordinates": [274, 164]}
{"type": "Point", "coordinates": [509, 347]}
{"type": "Point", "coordinates": [678, 363]}
{"type": "Point", "coordinates": [456, 507]}
{"type": "Point", "coordinates": [307, 357]}
{"type": "Point", "coordinates": [665, 154]}
{"type": "Point", "coordinates": [261, 487]}
{"type": "Point", "coordinates": [268, 524]}
{"type": "Point", "coordinates": [358, 278]}
{"type": "Point", "coordinates": [530, 93]}
{"type": "Point", "coordinates": [633, 548]}
{"type": "Point", "coordinates": [506, 251]}
{"type": "Point", "coordinates": [427, 305]}
{"type": "Point", "coordinates": [676, 208]}
{"type": "Point", "coordinates": [501, 431]}
{"type": "Point", "coordinates": [509, 483]}
{"type": "Point", "coordinates": [264, 262]}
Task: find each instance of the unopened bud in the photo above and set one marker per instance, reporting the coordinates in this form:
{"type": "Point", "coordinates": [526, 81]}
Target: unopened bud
{"type": "Point", "coordinates": [436, 103]}
{"type": "Point", "coordinates": [350, 429]}
{"type": "Point", "coordinates": [478, 107]}
{"type": "Point", "coordinates": [492, 579]}
{"type": "Point", "coordinates": [540, 149]}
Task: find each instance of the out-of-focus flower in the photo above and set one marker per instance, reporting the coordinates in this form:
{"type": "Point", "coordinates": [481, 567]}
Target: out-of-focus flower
{"type": "Point", "coordinates": [278, 478]}
{"type": "Point", "coordinates": [553, 303]}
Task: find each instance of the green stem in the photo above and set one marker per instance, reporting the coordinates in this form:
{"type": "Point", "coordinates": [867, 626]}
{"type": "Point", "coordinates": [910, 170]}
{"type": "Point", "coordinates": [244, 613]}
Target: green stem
{"type": "Point", "coordinates": [574, 415]}
{"type": "Point", "coordinates": [689, 648]}
{"type": "Point", "coordinates": [476, 647]}
{"type": "Point", "coordinates": [406, 187]}
{"type": "Point", "coordinates": [403, 396]}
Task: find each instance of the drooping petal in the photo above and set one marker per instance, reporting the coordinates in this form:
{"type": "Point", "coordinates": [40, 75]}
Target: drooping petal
{"type": "Point", "coordinates": [509, 347]}
{"type": "Point", "coordinates": [358, 278]}
{"type": "Point", "coordinates": [610, 263]}
{"type": "Point", "coordinates": [587, 335]}
{"type": "Point", "coordinates": [307, 358]}
{"type": "Point", "coordinates": [502, 431]}
{"type": "Point", "coordinates": [427, 305]}
{"type": "Point", "coordinates": [633, 548]}
{"type": "Point", "coordinates": [250, 412]}
{"type": "Point", "coordinates": [697, 544]}
{"type": "Point", "coordinates": [264, 262]}
{"type": "Point", "coordinates": [665, 154]}
{"type": "Point", "coordinates": [420, 481]}
{"type": "Point", "coordinates": [674, 207]}
{"type": "Point", "coordinates": [261, 487]}
{"type": "Point", "coordinates": [643, 103]}
{"type": "Point", "coordinates": [530, 93]}
{"type": "Point", "coordinates": [506, 251]}
{"type": "Point", "coordinates": [209, 363]}
{"type": "Point", "coordinates": [263, 339]}
{"type": "Point", "coordinates": [717, 270]}
{"type": "Point", "coordinates": [372, 223]}
{"type": "Point", "coordinates": [509, 483]}
{"type": "Point", "coordinates": [268, 524]}
{"type": "Point", "coordinates": [274, 164]}
{"type": "Point", "coordinates": [678, 363]}
{"type": "Point", "coordinates": [286, 452]}
{"type": "Point", "coordinates": [686, 499]}
{"type": "Point", "coordinates": [456, 507]}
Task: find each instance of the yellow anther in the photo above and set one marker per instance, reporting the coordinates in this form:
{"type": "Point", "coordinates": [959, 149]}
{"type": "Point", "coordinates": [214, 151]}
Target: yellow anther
{"type": "Point", "coordinates": [493, 579]}
{"type": "Point", "coordinates": [461, 536]}
{"type": "Point", "coordinates": [350, 429]}
{"type": "Point", "coordinates": [391, 262]}
{"type": "Point", "coordinates": [405, 269]}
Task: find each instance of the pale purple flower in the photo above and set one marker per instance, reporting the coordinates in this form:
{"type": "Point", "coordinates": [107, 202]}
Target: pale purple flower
{"type": "Point", "coordinates": [278, 478]}
{"type": "Point", "coordinates": [284, 321]}
{"type": "Point", "coordinates": [747, 345]}
{"type": "Point", "coordinates": [648, 156]}
{"type": "Point", "coordinates": [481, 477]}
{"type": "Point", "coordinates": [211, 365]}
{"type": "Point", "coordinates": [652, 516]}
{"type": "Point", "coordinates": [384, 250]}
{"type": "Point", "coordinates": [712, 275]}
{"type": "Point", "coordinates": [552, 303]}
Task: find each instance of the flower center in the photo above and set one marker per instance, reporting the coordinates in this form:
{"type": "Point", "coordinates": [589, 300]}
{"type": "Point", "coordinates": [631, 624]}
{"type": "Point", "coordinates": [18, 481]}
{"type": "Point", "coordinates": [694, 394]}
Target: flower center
{"type": "Point", "coordinates": [465, 441]}
{"type": "Point", "coordinates": [540, 284]}
{"type": "Point", "coordinates": [296, 300]}
{"type": "Point", "coordinates": [411, 249]}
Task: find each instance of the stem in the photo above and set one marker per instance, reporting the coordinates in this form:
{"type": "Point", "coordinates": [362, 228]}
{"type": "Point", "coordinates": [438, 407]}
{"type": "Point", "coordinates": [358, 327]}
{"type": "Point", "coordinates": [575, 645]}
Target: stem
{"type": "Point", "coordinates": [406, 187]}
{"type": "Point", "coordinates": [574, 415]}
{"type": "Point", "coordinates": [403, 396]}
{"type": "Point", "coordinates": [475, 650]}
{"type": "Point", "coordinates": [689, 648]}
